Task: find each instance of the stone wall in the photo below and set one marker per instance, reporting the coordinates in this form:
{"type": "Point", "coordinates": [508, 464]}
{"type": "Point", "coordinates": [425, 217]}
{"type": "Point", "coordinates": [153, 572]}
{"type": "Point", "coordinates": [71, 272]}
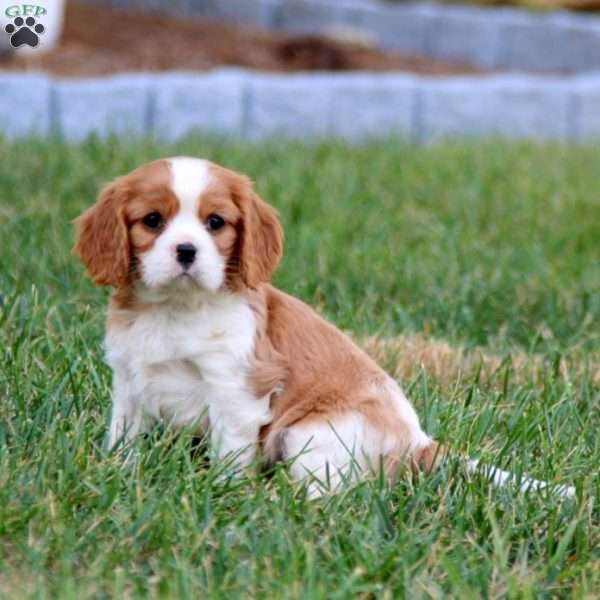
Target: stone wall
{"type": "Point", "coordinates": [353, 106]}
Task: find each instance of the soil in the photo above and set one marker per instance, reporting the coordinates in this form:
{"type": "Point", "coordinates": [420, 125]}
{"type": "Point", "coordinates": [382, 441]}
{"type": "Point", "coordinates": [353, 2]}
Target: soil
{"type": "Point", "coordinates": [101, 41]}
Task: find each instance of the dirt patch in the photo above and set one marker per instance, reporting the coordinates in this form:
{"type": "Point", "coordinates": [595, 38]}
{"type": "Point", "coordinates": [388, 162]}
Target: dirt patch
{"type": "Point", "coordinates": [102, 41]}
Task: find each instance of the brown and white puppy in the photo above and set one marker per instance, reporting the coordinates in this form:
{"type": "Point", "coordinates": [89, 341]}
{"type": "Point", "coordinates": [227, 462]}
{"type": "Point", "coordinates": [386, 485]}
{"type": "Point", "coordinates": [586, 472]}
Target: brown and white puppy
{"type": "Point", "coordinates": [196, 335]}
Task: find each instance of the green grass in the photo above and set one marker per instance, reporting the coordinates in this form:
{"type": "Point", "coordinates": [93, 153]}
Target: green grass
{"type": "Point", "coordinates": [494, 245]}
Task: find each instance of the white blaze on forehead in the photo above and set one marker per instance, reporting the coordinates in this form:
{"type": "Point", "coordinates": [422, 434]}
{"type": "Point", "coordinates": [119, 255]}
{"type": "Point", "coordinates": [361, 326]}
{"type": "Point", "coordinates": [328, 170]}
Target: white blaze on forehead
{"type": "Point", "coordinates": [189, 179]}
{"type": "Point", "coordinates": [160, 266]}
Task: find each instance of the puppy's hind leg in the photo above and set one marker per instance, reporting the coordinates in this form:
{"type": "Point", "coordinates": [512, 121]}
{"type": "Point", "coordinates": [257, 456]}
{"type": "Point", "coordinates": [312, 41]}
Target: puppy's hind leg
{"type": "Point", "coordinates": [325, 453]}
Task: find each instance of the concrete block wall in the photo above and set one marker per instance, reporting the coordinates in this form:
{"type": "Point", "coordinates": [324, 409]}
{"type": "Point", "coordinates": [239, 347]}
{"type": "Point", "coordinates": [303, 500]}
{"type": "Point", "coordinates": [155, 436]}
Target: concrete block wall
{"type": "Point", "coordinates": [82, 107]}
{"type": "Point", "coordinates": [352, 106]}
{"type": "Point", "coordinates": [510, 106]}
{"type": "Point", "coordinates": [184, 102]}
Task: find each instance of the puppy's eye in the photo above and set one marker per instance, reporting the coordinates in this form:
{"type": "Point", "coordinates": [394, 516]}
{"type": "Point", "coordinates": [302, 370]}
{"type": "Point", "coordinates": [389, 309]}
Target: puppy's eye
{"type": "Point", "coordinates": [153, 220]}
{"type": "Point", "coordinates": [214, 222]}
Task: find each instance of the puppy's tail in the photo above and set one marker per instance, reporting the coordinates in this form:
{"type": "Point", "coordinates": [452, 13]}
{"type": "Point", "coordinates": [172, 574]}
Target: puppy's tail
{"type": "Point", "coordinates": [501, 478]}
{"type": "Point", "coordinates": [429, 458]}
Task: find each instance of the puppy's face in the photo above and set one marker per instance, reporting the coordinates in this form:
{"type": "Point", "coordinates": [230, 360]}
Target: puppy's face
{"type": "Point", "coordinates": [180, 223]}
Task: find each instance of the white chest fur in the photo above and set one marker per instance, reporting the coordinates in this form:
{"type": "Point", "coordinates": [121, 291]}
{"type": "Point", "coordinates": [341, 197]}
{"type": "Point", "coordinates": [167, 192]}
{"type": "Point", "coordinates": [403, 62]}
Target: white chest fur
{"type": "Point", "coordinates": [184, 365]}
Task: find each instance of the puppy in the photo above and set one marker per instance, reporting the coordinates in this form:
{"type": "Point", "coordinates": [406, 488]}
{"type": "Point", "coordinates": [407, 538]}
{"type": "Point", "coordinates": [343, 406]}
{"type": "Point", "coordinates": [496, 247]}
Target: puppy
{"type": "Point", "coordinates": [196, 335]}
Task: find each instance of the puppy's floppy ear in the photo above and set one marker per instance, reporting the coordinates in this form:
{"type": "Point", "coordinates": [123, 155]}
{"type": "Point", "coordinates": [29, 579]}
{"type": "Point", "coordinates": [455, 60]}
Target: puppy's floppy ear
{"type": "Point", "coordinates": [261, 236]}
{"type": "Point", "coordinates": [102, 240]}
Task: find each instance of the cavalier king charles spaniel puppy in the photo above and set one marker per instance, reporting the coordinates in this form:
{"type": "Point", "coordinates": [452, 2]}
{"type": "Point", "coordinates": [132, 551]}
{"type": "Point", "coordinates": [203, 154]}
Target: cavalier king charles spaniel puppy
{"type": "Point", "coordinates": [196, 335]}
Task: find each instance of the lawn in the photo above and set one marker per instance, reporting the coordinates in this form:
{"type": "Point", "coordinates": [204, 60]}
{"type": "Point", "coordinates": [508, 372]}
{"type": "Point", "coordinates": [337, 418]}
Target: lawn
{"type": "Point", "coordinates": [471, 270]}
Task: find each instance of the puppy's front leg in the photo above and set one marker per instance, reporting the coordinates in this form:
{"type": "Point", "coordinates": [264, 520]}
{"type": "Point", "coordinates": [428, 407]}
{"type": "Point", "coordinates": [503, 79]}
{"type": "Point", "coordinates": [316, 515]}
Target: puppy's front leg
{"type": "Point", "coordinates": [126, 417]}
{"type": "Point", "coordinates": [235, 421]}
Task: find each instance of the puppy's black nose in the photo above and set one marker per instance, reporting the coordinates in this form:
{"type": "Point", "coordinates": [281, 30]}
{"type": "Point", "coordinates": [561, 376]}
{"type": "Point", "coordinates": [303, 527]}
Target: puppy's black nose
{"type": "Point", "coordinates": [185, 254]}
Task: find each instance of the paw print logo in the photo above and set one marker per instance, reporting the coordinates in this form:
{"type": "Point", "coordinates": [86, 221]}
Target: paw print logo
{"type": "Point", "coordinates": [24, 31]}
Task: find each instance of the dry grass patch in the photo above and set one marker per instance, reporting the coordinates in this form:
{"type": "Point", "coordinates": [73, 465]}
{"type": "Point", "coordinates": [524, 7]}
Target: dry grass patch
{"type": "Point", "coordinates": [407, 354]}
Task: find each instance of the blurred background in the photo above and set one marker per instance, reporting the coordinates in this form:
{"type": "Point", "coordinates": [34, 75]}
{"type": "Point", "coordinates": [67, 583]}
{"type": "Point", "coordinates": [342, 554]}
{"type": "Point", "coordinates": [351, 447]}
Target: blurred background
{"type": "Point", "coordinates": [102, 37]}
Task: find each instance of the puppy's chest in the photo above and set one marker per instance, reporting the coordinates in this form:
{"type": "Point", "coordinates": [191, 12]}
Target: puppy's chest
{"type": "Point", "coordinates": [178, 354]}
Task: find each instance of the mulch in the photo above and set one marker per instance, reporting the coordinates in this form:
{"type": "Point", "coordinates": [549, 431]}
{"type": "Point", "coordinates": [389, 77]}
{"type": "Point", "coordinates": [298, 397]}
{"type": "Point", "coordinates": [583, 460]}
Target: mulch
{"type": "Point", "coordinates": [101, 41]}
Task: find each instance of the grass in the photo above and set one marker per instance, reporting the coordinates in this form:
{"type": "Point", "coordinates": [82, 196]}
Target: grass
{"type": "Point", "coordinates": [469, 269]}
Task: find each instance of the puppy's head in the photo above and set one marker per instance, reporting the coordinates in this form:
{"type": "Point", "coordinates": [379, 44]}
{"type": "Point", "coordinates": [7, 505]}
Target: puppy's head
{"type": "Point", "coordinates": [180, 223]}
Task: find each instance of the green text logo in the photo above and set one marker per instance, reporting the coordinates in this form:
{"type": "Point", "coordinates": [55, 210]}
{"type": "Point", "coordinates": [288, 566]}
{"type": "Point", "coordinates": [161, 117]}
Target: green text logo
{"type": "Point", "coordinates": [25, 10]}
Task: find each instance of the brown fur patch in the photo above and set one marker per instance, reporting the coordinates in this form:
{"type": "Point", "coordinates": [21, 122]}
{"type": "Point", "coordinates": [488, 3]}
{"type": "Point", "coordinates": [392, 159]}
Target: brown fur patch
{"type": "Point", "coordinates": [110, 233]}
{"type": "Point", "coordinates": [218, 200]}
{"type": "Point", "coordinates": [260, 237]}
{"type": "Point", "coordinates": [270, 368]}
{"type": "Point", "coordinates": [102, 238]}
{"type": "Point", "coordinates": [327, 376]}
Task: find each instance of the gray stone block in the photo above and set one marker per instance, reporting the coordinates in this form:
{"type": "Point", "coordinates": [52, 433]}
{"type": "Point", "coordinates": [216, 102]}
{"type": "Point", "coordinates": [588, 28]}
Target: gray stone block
{"type": "Point", "coordinates": [395, 27]}
{"type": "Point", "coordinates": [99, 2]}
{"type": "Point", "coordinates": [308, 16]}
{"type": "Point", "coordinates": [104, 106]}
{"type": "Point", "coordinates": [350, 106]}
{"type": "Point", "coordinates": [25, 102]}
{"type": "Point", "coordinates": [213, 102]}
{"type": "Point", "coordinates": [293, 106]}
{"type": "Point", "coordinates": [465, 35]}
{"type": "Point", "coordinates": [508, 106]}
{"type": "Point", "coordinates": [586, 95]}
{"type": "Point", "coordinates": [372, 106]}
{"type": "Point", "coordinates": [125, 4]}
{"type": "Point", "coordinates": [144, 4]}
{"type": "Point", "coordinates": [581, 48]}
{"type": "Point", "coordinates": [532, 41]}
{"type": "Point", "coordinates": [253, 12]}
{"type": "Point", "coordinates": [149, 5]}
